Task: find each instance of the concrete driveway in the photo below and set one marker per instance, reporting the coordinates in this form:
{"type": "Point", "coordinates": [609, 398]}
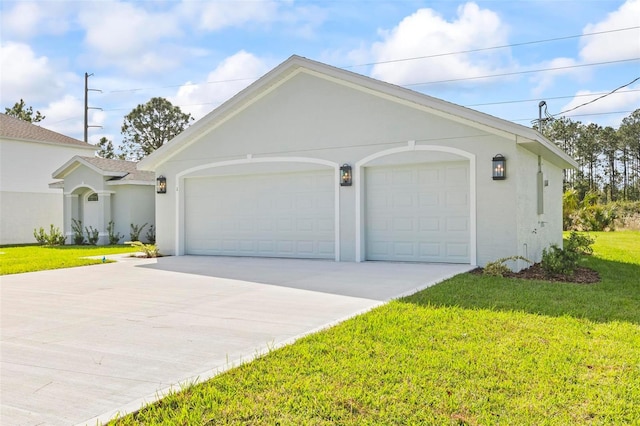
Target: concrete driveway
{"type": "Point", "coordinates": [81, 345]}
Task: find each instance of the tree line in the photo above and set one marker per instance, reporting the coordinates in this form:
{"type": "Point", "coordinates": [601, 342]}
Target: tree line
{"type": "Point", "coordinates": [608, 159]}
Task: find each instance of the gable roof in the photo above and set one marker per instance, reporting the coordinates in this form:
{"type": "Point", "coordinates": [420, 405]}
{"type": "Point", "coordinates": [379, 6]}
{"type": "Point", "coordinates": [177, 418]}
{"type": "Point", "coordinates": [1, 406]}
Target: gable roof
{"type": "Point", "coordinates": [524, 136]}
{"type": "Point", "coordinates": [120, 171]}
{"type": "Point", "coordinates": [14, 128]}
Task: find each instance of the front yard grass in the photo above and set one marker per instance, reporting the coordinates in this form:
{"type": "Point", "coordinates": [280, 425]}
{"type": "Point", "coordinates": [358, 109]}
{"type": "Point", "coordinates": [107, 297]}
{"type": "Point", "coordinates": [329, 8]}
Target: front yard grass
{"type": "Point", "coordinates": [19, 259]}
{"type": "Point", "coordinates": [472, 350]}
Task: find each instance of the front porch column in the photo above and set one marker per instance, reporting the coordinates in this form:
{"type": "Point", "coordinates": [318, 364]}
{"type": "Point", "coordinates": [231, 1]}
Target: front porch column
{"type": "Point", "coordinates": [70, 210]}
{"type": "Point", "coordinates": [105, 216]}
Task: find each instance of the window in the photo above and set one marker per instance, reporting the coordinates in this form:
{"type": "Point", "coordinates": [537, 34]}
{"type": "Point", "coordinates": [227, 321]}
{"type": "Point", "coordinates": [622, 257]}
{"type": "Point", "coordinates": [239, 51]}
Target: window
{"type": "Point", "coordinates": [93, 197]}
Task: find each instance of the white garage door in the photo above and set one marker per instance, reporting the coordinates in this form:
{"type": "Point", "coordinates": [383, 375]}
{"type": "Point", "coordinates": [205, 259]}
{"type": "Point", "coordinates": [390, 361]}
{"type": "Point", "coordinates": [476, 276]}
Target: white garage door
{"type": "Point", "coordinates": [272, 215]}
{"type": "Point", "coordinates": [418, 212]}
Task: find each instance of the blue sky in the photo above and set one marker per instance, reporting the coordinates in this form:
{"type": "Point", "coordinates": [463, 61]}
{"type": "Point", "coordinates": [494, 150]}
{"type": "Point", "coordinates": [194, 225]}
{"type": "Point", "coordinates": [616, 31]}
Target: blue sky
{"type": "Point", "coordinates": [199, 53]}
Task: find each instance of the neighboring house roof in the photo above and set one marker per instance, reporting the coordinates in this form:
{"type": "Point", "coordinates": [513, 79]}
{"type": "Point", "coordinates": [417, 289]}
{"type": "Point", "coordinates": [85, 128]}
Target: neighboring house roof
{"type": "Point", "coordinates": [14, 128]}
{"type": "Point", "coordinates": [527, 137]}
{"type": "Point", "coordinates": [121, 172]}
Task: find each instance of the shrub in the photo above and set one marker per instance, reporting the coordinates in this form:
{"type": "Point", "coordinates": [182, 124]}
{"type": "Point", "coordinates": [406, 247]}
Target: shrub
{"type": "Point", "coordinates": [78, 232]}
{"type": "Point", "coordinates": [579, 243]}
{"type": "Point", "coordinates": [151, 235]}
{"type": "Point", "coordinates": [53, 238]}
{"type": "Point", "coordinates": [92, 235]}
{"type": "Point", "coordinates": [499, 269]}
{"type": "Point", "coordinates": [556, 260]}
{"type": "Point", "coordinates": [134, 234]}
{"type": "Point", "coordinates": [149, 250]}
{"type": "Point", "coordinates": [114, 238]}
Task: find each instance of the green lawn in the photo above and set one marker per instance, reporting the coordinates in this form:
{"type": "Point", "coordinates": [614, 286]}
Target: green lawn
{"type": "Point", "coordinates": [471, 350]}
{"type": "Point", "coordinates": [19, 259]}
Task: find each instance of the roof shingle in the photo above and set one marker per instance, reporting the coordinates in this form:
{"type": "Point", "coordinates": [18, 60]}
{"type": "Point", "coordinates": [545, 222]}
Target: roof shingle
{"type": "Point", "coordinates": [14, 128]}
{"type": "Point", "coordinates": [121, 166]}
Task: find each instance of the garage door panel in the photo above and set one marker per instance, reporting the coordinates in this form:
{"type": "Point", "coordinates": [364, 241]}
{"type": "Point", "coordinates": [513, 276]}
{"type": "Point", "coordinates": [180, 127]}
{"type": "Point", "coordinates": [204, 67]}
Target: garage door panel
{"type": "Point", "coordinates": [275, 215]}
{"type": "Point", "coordinates": [417, 212]}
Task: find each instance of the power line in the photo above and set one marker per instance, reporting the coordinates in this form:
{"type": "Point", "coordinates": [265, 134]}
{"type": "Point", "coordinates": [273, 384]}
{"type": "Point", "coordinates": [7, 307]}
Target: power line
{"type": "Point", "coordinates": [598, 98]}
{"type": "Point", "coordinates": [532, 120]}
{"type": "Point", "coordinates": [548, 99]}
{"type": "Point", "coordinates": [397, 60]}
{"type": "Point", "coordinates": [491, 48]}
{"type": "Point", "coordinates": [521, 72]}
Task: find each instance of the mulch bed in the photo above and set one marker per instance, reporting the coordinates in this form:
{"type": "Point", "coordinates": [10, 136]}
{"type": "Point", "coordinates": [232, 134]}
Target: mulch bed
{"type": "Point", "coordinates": [582, 275]}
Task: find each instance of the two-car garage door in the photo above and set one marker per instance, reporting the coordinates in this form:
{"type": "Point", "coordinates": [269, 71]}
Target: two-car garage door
{"type": "Point", "coordinates": [269, 215]}
{"type": "Point", "coordinates": [414, 213]}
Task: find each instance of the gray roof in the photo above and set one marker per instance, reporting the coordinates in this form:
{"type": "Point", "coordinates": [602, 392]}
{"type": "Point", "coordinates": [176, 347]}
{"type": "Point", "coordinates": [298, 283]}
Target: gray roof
{"type": "Point", "coordinates": [119, 167]}
{"type": "Point", "coordinates": [119, 170]}
{"type": "Point", "coordinates": [14, 128]}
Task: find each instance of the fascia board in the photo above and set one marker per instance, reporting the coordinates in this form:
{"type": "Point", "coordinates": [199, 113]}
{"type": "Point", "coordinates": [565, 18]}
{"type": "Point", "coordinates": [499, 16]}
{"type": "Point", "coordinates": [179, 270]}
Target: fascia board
{"type": "Point", "coordinates": [130, 182]}
{"type": "Point", "coordinates": [76, 162]}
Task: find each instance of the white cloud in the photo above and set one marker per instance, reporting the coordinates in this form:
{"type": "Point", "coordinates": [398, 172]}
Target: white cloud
{"type": "Point", "coordinates": [427, 33]}
{"type": "Point", "coordinates": [27, 19]}
{"type": "Point", "coordinates": [616, 45]}
{"type": "Point", "coordinates": [213, 16]}
{"type": "Point", "coordinates": [558, 67]}
{"type": "Point", "coordinates": [130, 36]}
{"type": "Point", "coordinates": [199, 99]}
{"type": "Point", "coordinates": [28, 76]}
{"type": "Point", "coordinates": [623, 100]}
{"type": "Point", "coordinates": [66, 116]}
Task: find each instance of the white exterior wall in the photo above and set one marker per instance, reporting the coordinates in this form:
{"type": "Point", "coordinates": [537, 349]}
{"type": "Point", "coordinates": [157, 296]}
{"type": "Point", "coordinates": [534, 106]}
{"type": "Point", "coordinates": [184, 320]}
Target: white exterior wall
{"type": "Point", "coordinates": [133, 204]}
{"type": "Point", "coordinates": [314, 118]}
{"type": "Point", "coordinates": [537, 231]}
{"type": "Point", "coordinates": [26, 201]}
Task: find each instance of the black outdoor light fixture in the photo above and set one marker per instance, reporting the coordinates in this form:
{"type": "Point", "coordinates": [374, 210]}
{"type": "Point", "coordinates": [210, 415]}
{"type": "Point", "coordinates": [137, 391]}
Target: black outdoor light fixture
{"type": "Point", "coordinates": [161, 185]}
{"type": "Point", "coordinates": [499, 164]}
{"type": "Point", "coordinates": [345, 175]}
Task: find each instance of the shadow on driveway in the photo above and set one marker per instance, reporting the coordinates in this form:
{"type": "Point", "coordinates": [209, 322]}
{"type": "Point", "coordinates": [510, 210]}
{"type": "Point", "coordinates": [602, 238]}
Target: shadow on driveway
{"type": "Point", "coordinates": [370, 280]}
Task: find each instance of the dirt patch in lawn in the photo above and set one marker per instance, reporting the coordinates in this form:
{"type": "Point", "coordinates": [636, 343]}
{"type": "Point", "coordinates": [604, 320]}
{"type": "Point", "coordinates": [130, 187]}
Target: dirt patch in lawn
{"type": "Point", "coordinates": [582, 275]}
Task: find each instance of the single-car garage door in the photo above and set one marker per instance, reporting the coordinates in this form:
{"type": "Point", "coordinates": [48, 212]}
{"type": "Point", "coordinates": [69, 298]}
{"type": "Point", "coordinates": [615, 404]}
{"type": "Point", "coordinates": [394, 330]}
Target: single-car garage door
{"type": "Point", "coordinates": [418, 212]}
{"type": "Point", "coordinates": [270, 215]}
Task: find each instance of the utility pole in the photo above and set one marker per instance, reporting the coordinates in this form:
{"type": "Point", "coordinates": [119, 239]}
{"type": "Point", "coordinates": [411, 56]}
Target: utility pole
{"type": "Point", "coordinates": [86, 105]}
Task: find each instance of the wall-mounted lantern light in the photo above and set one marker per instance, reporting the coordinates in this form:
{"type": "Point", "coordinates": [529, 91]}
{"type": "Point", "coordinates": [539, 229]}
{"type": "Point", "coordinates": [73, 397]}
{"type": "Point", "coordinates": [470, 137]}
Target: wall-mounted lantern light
{"type": "Point", "coordinates": [345, 175]}
{"type": "Point", "coordinates": [499, 165]}
{"type": "Point", "coordinates": [161, 185]}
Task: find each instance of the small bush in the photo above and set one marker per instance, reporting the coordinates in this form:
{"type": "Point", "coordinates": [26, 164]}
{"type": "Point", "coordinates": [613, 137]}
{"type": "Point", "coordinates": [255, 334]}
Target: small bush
{"type": "Point", "coordinates": [134, 234]}
{"type": "Point", "coordinates": [78, 232]}
{"type": "Point", "coordinates": [92, 235]}
{"type": "Point", "coordinates": [149, 250]}
{"type": "Point", "coordinates": [114, 238]}
{"type": "Point", "coordinates": [53, 238]}
{"type": "Point", "coordinates": [556, 260]}
{"type": "Point", "coordinates": [499, 269]}
{"type": "Point", "coordinates": [151, 235]}
{"type": "Point", "coordinates": [579, 243]}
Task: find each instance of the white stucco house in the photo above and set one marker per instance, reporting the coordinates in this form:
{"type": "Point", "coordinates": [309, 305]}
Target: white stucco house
{"type": "Point", "coordinates": [98, 191]}
{"type": "Point", "coordinates": [28, 154]}
{"type": "Point", "coordinates": [261, 176]}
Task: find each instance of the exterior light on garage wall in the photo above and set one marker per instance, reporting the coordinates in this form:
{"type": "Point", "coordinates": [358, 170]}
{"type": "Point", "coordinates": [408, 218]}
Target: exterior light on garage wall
{"type": "Point", "coordinates": [161, 185]}
{"type": "Point", "coordinates": [499, 164]}
{"type": "Point", "coordinates": [345, 175]}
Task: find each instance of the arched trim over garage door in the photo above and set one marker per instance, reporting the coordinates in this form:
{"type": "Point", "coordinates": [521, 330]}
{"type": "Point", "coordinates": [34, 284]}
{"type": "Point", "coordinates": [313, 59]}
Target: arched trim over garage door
{"type": "Point", "coordinates": [411, 146]}
{"type": "Point", "coordinates": [180, 184]}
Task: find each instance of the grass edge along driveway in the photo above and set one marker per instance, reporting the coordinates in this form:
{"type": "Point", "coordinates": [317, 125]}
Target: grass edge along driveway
{"type": "Point", "coordinates": [20, 259]}
{"type": "Point", "coordinates": [471, 350]}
